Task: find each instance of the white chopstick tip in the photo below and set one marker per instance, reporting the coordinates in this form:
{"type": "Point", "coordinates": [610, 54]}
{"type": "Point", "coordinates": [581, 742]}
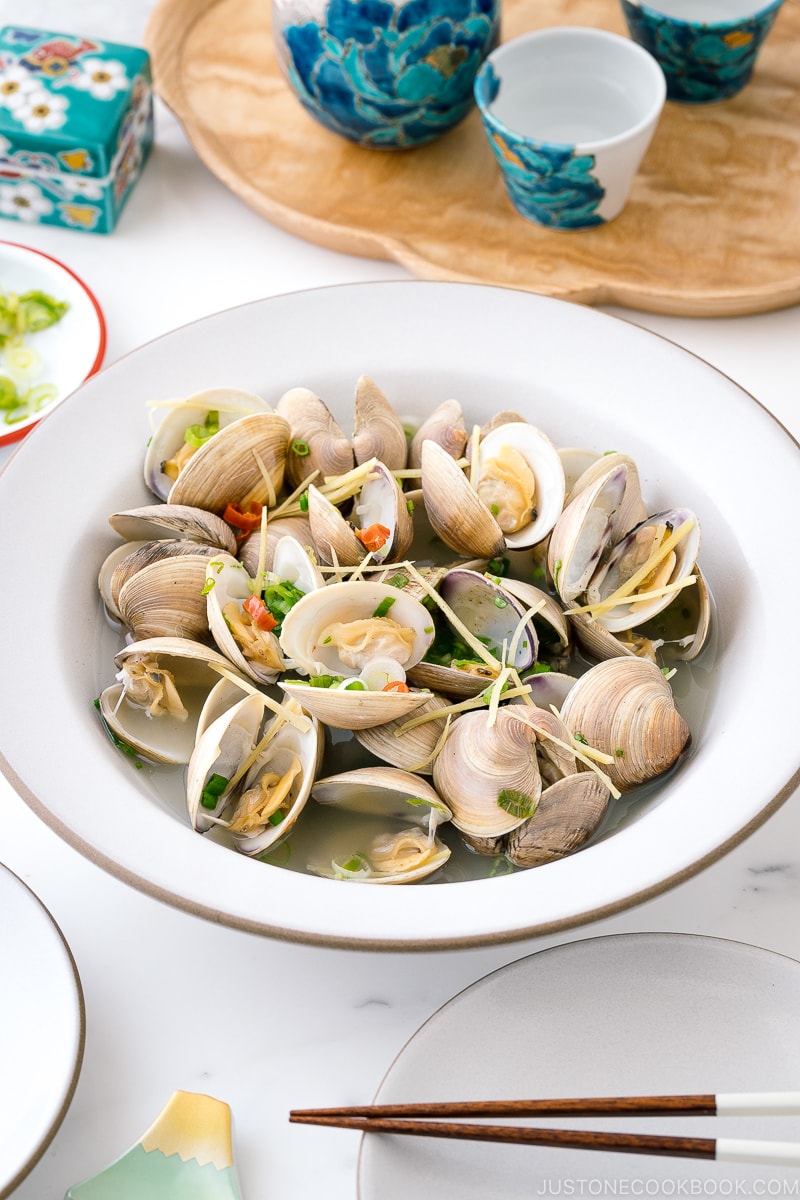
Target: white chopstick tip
{"type": "Point", "coordinates": [740, 1150]}
{"type": "Point", "coordinates": [754, 1104]}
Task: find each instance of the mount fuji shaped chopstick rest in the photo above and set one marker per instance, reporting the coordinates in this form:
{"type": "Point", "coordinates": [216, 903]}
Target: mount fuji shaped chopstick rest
{"type": "Point", "coordinates": [186, 1154]}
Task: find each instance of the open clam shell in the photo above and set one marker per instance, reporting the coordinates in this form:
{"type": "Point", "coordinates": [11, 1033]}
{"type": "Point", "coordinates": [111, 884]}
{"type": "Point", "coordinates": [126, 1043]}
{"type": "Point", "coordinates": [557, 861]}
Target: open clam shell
{"type": "Point", "coordinates": [170, 521]}
{"type": "Point", "coordinates": [345, 708]}
{"type": "Point", "coordinates": [454, 509]}
{"type": "Point", "coordinates": [629, 555]}
{"type": "Point", "coordinates": [358, 639]}
{"type": "Point", "coordinates": [632, 508]}
{"type": "Point", "coordinates": [521, 479]}
{"type": "Point", "coordinates": [584, 531]}
{"type": "Point", "coordinates": [306, 637]}
{"type": "Point", "coordinates": [278, 783]}
{"type": "Point", "coordinates": [156, 703]}
{"type": "Point", "coordinates": [226, 587]}
{"type": "Point", "coordinates": [211, 776]}
{"type": "Point", "coordinates": [250, 548]}
{"type": "Point", "coordinates": [493, 615]}
{"type": "Point", "coordinates": [380, 522]}
{"type": "Point", "coordinates": [168, 444]}
{"type": "Point", "coordinates": [407, 811]}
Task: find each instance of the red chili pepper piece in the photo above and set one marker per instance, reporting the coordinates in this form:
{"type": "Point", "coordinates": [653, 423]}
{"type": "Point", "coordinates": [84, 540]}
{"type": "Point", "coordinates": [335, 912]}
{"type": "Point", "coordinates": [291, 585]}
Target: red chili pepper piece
{"type": "Point", "coordinates": [396, 685]}
{"type": "Point", "coordinates": [248, 521]}
{"type": "Point", "coordinates": [373, 537]}
{"type": "Point", "coordinates": [260, 614]}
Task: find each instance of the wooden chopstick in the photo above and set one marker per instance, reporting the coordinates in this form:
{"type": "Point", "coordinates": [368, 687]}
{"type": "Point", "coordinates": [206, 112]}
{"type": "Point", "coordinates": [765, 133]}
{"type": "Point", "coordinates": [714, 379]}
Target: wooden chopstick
{"type": "Point", "coordinates": [720, 1149]}
{"type": "Point", "coordinates": [721, 1104]}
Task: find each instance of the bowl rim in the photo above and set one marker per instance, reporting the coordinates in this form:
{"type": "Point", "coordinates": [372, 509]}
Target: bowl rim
{"type": "Point", "coordinates": [611, 876]}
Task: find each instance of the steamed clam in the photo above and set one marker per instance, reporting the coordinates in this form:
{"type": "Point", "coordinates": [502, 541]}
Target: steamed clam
{"type": "Point", "coordinates": [402, 845]}
{"type": "Point", "coordinates": [272, 533]}
{"type": "Point", "coordinates": [355, 641]}
{"type": "Point", "coordinates": [155, 704]}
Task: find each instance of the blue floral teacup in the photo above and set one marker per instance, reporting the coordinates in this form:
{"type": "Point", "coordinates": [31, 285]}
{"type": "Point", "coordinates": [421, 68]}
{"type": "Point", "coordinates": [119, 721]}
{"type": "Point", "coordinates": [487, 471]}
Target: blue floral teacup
{"type": "Point", "coordinates": [706, 48]}
{"type": "Point", "coordinates": [385, 73]}
{"type": "Point", "coordinates": [569, 113]}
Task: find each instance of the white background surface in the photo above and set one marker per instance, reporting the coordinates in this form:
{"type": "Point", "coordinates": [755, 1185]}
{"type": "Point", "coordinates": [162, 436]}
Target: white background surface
{"type": "Point", "coordinates": [174, 1002]}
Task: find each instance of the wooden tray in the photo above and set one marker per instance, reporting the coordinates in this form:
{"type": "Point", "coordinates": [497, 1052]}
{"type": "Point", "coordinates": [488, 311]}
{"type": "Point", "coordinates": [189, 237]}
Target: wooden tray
{"type": "Point", "coordinates": [712, 227]}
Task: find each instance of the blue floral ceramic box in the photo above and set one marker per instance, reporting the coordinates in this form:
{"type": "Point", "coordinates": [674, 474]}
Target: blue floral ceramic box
{"type": "Point", "coordinates": [76, 126]}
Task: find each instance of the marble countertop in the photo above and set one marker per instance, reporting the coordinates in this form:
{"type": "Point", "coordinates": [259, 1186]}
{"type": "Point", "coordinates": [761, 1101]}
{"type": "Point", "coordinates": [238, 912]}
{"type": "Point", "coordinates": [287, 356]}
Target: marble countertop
{"type": "Point", "coordinates": [174, 1002]}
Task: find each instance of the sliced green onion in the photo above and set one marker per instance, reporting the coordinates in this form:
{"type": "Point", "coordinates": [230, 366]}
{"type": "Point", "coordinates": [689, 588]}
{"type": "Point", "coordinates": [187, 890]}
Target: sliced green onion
{"type": "Point", "coordinates": [215, 786]}
{"type": "Point", "coordinates": [518, 804]}
{"type": "Point", "coordinates": [384, 606]}
{"type": "Point", "coordinates": [301, 449]}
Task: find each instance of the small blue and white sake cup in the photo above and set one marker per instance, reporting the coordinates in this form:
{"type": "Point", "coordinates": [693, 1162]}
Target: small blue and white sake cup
{"type": "Point", "coordinates": [569, 113]}
{"type": "Point", "coordinates": [706, 48]}
{"type": "Point", "coordinates": [390, 74]}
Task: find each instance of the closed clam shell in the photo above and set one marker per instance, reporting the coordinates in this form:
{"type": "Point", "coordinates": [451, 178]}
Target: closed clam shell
{"type": "Point", "coordinates": [456, 513]}
{"type": "Point", "coordinates": [445, 426]}
{"type": "Point", "coordinates": [174, 521]}
{"type": "Point", "coordinates": [106, 574]}
{"type": "Point", "coordinates": [316, 441]}
{"type": "Point", "coordinates": [412, 749]}
{"type": "Point", "coordinates": [168, 438]}
{"type": "Point", "coordinates": [165, 738]}
{"type": "Point", "coordinates": [377, 430]}
{"type": "Point", "coordinates": [624, 707]}
{"type": "Point", "coordinates": [142, 554]}
{"type": "Point", "coordinates": [554, 751]}
{"type": "Point", "coordinates": [569, 812]}
{"type": "Point", "coordinates": [232, 465]}
{"type": "Point", "coordinates": [482, 766]}
{"type": "Point", "coordinates": [164, 599]}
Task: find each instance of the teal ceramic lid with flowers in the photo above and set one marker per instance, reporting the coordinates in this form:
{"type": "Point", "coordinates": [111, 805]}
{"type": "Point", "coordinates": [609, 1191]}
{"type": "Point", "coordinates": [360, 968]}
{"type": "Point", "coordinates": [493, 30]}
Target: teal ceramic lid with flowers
{"type": "Point", "coordinates": [65, 100]}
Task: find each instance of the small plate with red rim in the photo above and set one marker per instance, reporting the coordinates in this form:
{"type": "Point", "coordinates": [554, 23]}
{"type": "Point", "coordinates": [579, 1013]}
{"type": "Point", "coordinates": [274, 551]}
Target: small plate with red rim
{"type": "Point", "coordinates": [71, 350]}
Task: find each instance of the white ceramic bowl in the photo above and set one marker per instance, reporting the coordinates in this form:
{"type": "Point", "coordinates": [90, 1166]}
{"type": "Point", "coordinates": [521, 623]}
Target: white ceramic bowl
{"type": "Point", "coordinates": [587, 379]}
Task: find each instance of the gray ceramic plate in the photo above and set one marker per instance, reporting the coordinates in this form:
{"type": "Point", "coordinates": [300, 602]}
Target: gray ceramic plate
{"type": "Point", "coordinates": [636, 1014]}
{"type": "Point", "coordinates": [41, 1032]}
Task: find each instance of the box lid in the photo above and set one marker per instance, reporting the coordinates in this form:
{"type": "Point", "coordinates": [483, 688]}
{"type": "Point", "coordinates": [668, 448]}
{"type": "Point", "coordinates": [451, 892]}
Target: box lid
{"type": "Point", "coordinates": [64, 98]}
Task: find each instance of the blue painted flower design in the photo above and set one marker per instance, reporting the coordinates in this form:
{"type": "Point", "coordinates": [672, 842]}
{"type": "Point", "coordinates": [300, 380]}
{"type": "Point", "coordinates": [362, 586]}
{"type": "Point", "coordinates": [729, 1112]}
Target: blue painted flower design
{"type": "Point", "coordinates": [702, 63]}
{"type": "Point", "coordinates": [546, 183]}
{"type": "Point", "coordinates": [386, 74]}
